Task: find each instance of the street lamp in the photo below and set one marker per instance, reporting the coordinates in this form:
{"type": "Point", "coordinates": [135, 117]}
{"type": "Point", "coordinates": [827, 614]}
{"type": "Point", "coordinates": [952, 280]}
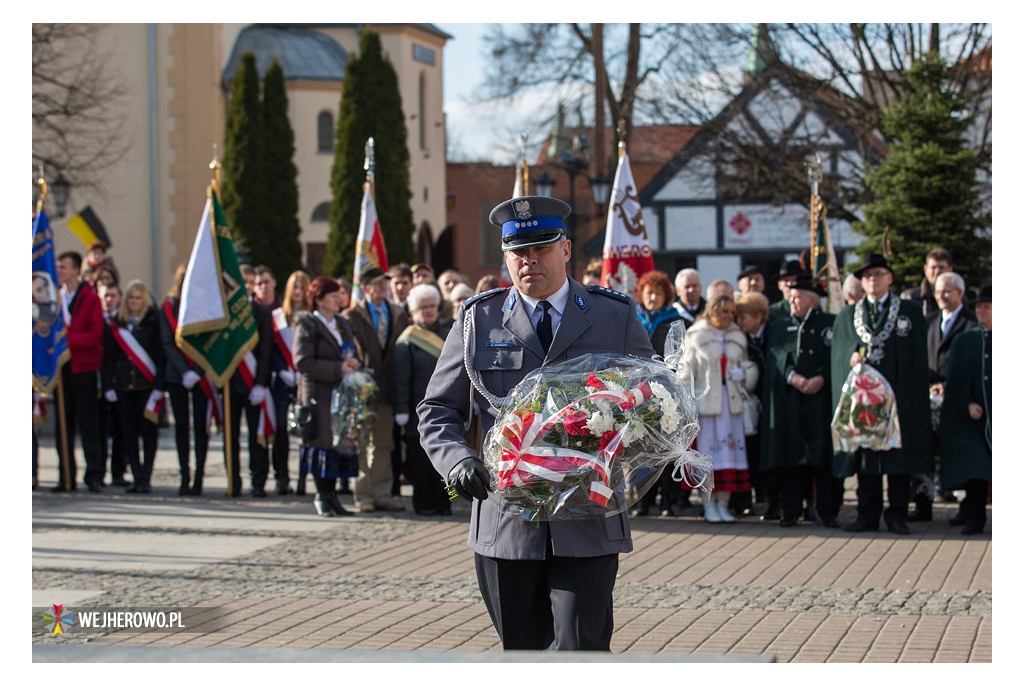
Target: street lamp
{"type": "Point", "coordinates": [601, 187]}
{"type": "Point", "coordinates": [545, 185]}
{"type": "Point", "coordinates": [61, 192]}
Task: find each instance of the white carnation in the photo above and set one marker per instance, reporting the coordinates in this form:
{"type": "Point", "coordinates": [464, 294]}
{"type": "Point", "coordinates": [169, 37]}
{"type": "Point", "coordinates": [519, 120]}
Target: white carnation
{"type": "Point", "coordinates": [599, 422]}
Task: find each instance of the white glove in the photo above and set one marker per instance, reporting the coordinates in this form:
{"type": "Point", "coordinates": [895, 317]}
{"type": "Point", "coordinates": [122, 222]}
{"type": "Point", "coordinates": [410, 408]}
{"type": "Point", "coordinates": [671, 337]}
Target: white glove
{"type": "Point", "coordinates": [189, 379]}
{"type": "Point", "coordinates": [288, 377]}
{"type": "Point", "coordinates": [737, 373]}
{"type": "Point", "coordinates": [257, 395]}
{"type": "Point", "coordinates": [110, 396]}
{"type": "Point", "coordinates": [401, 419]}
{"type": "Point", "coordinates": [155, 396]}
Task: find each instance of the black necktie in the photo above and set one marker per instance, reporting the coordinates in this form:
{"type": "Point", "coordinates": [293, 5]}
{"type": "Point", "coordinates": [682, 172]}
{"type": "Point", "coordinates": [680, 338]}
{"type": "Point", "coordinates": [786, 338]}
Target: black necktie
{"type": "Point", "coordinates": [544, 325]}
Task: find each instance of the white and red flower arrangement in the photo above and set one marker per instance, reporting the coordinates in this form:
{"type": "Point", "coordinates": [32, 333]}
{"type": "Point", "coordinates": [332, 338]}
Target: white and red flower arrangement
{"type": "Point", "coordinates": [866, 415]}
{"type": "Point", "coordinates": [587, 437]}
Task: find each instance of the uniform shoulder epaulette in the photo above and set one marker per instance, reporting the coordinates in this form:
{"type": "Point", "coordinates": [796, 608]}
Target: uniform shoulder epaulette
{"type": "Point", "coordinates": [483, 296]}
{"type": "Point", "coordinates": [608, 292]}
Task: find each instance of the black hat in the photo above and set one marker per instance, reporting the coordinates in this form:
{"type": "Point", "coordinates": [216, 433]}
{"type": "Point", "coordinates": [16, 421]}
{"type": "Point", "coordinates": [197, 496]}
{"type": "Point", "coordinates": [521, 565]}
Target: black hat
{"type": "Point", "coordinates": [372, 273]}
{"type": "Point", "coordinates": [874, 260]}
{"type": "Point", "coordinates": [985, 294]}
{"type": "Point", "coordinates": [750, 271]}
{"type": "Point", "coordinates": [804, 281]}
{"type": "Point", "coordinates": [530, 220]}
{"type": "Point", "coordinates": [790, 268]}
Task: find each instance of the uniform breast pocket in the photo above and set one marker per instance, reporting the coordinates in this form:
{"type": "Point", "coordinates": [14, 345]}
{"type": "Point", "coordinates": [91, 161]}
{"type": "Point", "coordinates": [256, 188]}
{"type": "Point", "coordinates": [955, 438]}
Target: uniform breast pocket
{"type": "Point", "coordinates": [498, 360]}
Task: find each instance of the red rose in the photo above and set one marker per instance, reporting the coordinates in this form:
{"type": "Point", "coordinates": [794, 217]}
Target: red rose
{"type": "Point", "coordinates": [867, 418]}
{"type": "Point", "coordinates": [596, 383]}
{"type": "Point", "coordinates": [575, 423]}
{"type": "Point", "coordinates": [606, 438]}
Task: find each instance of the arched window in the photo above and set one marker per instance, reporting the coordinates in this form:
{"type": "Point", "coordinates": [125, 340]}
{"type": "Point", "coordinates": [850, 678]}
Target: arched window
{"type": "Point", "coordinates": [325, 132]}
{"type": "Point", "coordinates": [320, 213]}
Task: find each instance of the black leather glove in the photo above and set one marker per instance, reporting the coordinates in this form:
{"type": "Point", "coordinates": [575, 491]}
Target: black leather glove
{"type": "Point", "coordinates": [470, 479]}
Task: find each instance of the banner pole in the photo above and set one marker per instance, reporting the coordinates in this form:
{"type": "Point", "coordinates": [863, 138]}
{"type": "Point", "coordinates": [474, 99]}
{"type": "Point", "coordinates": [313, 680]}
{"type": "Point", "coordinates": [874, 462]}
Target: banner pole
{"type": "Point", "coordinates": [66, 455]}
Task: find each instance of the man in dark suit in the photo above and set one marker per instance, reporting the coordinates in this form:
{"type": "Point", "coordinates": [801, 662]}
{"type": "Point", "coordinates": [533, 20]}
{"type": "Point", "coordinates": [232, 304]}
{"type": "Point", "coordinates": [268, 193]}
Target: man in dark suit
{"type": "Point", "coordinates": [951, 318]}
{"type": "Point", "coordinates": [689, 302]}
{"type": "Point", "coordinates": [549, 586]}
{"type": "Point", "coordinates": [249, 389]}
{"type": "Point", "coordinates": [889, 334]}
{"type": "Point", "coordinates": [377, 324]}
{"type": "Point", "coordinates": [937, 261]}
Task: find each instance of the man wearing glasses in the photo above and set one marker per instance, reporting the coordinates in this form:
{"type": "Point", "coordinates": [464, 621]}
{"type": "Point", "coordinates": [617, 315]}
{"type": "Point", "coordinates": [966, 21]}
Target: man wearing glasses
{"type": "Point", "coordinates": [889, 334]}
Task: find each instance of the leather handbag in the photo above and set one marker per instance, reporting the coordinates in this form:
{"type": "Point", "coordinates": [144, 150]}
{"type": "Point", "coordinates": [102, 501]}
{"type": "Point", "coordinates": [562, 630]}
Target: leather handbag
{"type": "Point", "coordinates": [300, 420]}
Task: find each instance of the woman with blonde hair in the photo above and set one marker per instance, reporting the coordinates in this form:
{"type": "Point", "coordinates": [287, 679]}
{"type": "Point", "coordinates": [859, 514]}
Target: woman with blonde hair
{"type": "Point", "coordinates": [133, 377]}
{"type": "Point", "coordinates": [716, 357]}
{"type": "Point", "coordinates": [295, 295]}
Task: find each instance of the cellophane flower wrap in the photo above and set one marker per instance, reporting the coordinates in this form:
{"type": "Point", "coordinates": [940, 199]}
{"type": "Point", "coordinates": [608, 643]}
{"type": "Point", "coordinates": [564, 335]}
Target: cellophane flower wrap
{"type": "Point", "coordinates": [353, 409]}
{"type": "Point", "coordinates": [866, 415]}
{"type": "Point", "coordinates": [585, 438]}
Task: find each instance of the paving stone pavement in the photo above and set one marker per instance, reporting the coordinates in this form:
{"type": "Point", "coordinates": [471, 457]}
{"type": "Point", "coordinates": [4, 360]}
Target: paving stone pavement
{"type": "Point", "coordinates": [277, 577]}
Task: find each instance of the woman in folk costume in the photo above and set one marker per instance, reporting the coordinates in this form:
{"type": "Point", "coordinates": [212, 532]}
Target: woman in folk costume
{"type": "Point", "coordinates": [133, 378]}
{"type": "Point", "coordinates": [324, 348]}
{"type": "Point", "coordinates": [716, 358]}
{"type": "Point", "coordinates": [294, 304]}
{"type": "Point", "coordinates": [416, 354]}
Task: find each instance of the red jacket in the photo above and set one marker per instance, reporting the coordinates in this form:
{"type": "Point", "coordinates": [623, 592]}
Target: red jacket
{"type": "Point", "coordinates": [85, 334]}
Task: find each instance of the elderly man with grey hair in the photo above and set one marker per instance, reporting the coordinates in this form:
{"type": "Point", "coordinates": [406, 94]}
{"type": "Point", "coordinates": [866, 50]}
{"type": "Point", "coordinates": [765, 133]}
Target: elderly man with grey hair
{"type": "Point", "coordinates": [689, 301]}
{"type": "Point", "coordinates": [853, 291]}
{"type": "Point", "coordinates": [951, 319]}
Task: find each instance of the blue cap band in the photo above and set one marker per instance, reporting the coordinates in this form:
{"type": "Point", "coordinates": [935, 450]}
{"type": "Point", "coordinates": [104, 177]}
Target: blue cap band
{"type": "Point", "coordinates": [538, 223]}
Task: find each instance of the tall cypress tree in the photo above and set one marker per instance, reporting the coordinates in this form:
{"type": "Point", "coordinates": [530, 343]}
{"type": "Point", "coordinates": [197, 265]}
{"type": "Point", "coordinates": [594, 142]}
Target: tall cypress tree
{"type": "Point", "coordinates": [926, 191]}
{"type": "Point", "coordinates": [243, 183]}
{"type": "Point", "coordinates": [370, 106]}
{"type": "Point", "coordinates": [278, 245]}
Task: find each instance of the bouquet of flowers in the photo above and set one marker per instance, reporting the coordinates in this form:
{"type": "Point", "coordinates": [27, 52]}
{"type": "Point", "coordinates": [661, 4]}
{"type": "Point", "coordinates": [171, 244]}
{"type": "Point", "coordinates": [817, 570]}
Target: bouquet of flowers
{"type": "Point", "coordinates": [587, 437]}
{"type": "Point", "coordinates": [866, 415]}
{"type": "Point", "coordinates": [353, 409]}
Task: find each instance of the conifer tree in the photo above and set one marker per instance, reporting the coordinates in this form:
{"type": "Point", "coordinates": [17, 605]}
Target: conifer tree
{"type": "Point", "coordinates": [243, 183]}
{"type": "Point", "coordinates": [926, 191]}
{"type": "Point", "coordinates": [370, 106]}
{"type": "Point", "coordinates": [277, 244]}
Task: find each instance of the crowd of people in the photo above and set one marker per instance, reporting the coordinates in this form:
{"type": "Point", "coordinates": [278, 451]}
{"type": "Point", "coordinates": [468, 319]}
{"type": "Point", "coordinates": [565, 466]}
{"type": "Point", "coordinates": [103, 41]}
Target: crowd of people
{"type": "Point", "coordinates": [773, 373]}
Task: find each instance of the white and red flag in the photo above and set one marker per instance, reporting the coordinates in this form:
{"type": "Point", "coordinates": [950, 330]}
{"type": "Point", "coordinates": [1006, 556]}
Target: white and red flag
{"type": "Point", "coordinates": [370, 241]}
{"type": "Point", "coordinates": [627, 255]}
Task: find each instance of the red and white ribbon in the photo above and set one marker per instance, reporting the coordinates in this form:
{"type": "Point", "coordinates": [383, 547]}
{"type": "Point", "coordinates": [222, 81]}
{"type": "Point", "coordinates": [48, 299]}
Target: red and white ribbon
{"type": "Point", "coordinates": [266, 426]}
{"type": "Point", "coordinates": [138, 356]}
{"type": "Point", "coordinates": [283, 336]}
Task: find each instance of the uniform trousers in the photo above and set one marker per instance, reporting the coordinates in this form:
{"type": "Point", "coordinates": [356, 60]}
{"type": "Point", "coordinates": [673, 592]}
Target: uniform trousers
{"type": "Point", "coordinates": [81, 410]}
{"type": "Point", "coordinates": [972, 508]}
{"type": "Point", "coordinates": [131, 407]}
{"type": "Point", "coordinates": [281, 443]}
{"type": "Point", "coordinates": [259, 458]}
{"type": "Point", "coordinates": [111, 443]}
{"type": "Point", "coordinates": [373, 484]}
{"type": "Point", "coordinates": [428, 490]}
{"type": "Point", "coordinates": [557, 603]}
{"type": "Point", "coordinates": [869, 495]}
{"type": "Point", "coordinates": [182, 435]}
{"type": "Point", "coordinates": [827, 494]}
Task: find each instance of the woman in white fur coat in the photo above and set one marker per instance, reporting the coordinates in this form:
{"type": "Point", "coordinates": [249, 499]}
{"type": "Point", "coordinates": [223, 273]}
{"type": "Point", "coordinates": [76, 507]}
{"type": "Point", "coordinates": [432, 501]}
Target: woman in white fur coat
{"type": "Point", "coordinates": [716, 356]}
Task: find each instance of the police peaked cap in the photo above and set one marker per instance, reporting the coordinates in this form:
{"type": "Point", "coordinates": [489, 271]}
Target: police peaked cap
{"type": "Point", "coordinates": [530, 220]}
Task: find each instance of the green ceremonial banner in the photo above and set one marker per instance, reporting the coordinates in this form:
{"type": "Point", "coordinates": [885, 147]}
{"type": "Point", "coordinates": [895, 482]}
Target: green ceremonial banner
{"type": "Point", "coordinates": [216, 326]}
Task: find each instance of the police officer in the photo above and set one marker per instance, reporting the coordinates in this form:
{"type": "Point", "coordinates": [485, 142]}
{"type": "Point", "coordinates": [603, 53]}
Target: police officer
{"type": "Point", "coordinates": [550, 586]}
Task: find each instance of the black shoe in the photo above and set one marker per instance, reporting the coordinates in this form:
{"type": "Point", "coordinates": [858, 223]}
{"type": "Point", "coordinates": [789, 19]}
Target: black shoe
{"type": "Point", "coordinates": [134, 488]}
{"type": "Point", "coordinates": [787, 521]}
{"type": "Point", "coordinates": [323, 508]}
{"type": "Point", "coordinates": [809, 515]}
{"type": "Point", "coordinates": [829, 522]}
{"type": "Point", "coordinates": [197, 486]}
{"type": "Point", "coordinates": [184, 490]}
{"type": "Point", "coordinates": [922, 512]}
{"type": "Point", "coordinates": [94, 488]}
{"type": "Point", "coordinates": [283, 489]}
{"type": "Point", "coordinates": [145, 489]}
{"type": "Point", "coordinates": [300, 487]}
{"type": "Point", "coordinates": [861, 526]}
{"type": "Point", "coordinates": [259, 492]}
{"type": "Point", "coordinates": [957, 520]}
{"type": "Point", "coordinates": [336, 506]}
{"type": "Point", "coordinates": [972, 529]}
{"type": "Point", "coordinates": [120, 483]}
{"type": "Point", "coordinates": [236, 493]}
{"type": "Point", "coordinates": [895, 524]}
{"type": "Point", "coordinates": [770, 514]}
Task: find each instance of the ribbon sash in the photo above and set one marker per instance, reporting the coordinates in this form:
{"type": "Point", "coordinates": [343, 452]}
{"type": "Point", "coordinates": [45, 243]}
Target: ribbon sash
{"type": "Point", "coordinates": [214, 410]}
{"type": "Point", "coordinates": [266, 426]}
{"type": "Point", "coordinates": [425, 339]}
{"type": "Point", "coordinates": [144, 363]}
{"type": "Point", "coordinates": [283, 336]}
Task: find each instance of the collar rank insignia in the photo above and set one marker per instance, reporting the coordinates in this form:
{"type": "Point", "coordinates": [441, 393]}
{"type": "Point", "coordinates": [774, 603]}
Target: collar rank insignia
{"type": "Point", "coordinates": [580, 302]}
{"type": "Point", "coordinates": [510, 301]}
{"type": "Point", "coordinates": [522, 209]}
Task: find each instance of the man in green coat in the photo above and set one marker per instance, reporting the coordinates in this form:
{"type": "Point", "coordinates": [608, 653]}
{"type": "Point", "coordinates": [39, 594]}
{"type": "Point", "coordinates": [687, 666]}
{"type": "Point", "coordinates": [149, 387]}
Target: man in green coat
{"type": "Point", "coordinates": [798, 403]}
{"type": "Point", "coordinates": [965, 436]}
{"type": "Point", "coordinates": [790, 270]}
{"type": "Point", "coordinates": [889, 334]}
